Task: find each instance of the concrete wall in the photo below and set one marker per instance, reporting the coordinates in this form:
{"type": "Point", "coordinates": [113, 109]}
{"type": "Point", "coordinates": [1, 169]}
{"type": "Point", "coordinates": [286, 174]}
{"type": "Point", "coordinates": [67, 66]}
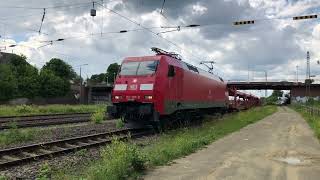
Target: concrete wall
{"type": "Point", "coordinates": [298, 94]}
{"type": "Point", "coordinates": [98, 94]}
{"type": "Point", "coordinates": [42, 101]}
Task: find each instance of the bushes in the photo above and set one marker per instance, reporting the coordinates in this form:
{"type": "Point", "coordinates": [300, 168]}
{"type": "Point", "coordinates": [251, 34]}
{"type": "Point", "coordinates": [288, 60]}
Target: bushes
{"type": "Point", "coordinates": [52, 85]}
{"type": "Point", "coordinates": [119, 123]}
{"type": "Point", "coordinates": [119, 161]}
{"type": "Point", "coordinates": [24, 109]}
{"type": "Point", "coordinates": [8, 83]}
{"type": "Point", "coordinates": [19, 79]}
{"type": "Point", "coordinates": [98, 116]}
{"type": "Point", "coordinates": [123, 160]}
{"type": "Point", "coordinates": [312, 120]}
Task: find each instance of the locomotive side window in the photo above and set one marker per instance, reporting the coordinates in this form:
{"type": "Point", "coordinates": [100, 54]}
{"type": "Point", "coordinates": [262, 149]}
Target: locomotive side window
{"type": "Point", "coordinates": [171, 71]}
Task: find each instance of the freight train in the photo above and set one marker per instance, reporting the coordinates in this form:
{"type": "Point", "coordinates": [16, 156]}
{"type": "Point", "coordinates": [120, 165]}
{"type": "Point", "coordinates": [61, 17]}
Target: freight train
{"type": "Point", "coordinates": [151, 89]}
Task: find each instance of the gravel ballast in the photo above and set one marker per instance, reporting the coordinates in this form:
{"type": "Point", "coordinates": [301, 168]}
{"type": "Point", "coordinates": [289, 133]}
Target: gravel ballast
{"type": "Point", "coordinates": [53, 133]}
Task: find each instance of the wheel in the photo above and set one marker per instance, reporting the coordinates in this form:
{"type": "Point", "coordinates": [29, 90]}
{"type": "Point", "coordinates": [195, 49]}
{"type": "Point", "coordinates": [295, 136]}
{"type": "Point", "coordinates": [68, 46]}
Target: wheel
{"type": "Point", "coordinates": [187, 119]}
{"type": "Point", "coordinates": [156, 122]}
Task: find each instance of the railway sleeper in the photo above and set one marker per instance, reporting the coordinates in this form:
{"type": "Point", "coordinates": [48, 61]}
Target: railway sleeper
{"type": "Point", "coordinates": [68, 145]}
{"type": "Point", "coordinates": [10, 158]}
{"type": "Point", "coordinates": [46, 151]}
{"type": "Point", "coordinates": [28, 154]}
{"type": "Point", "coordinates": [19, 155]}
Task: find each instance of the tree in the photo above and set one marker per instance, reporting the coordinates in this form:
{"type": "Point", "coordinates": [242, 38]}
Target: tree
{"type": "Point", "coordinates": [26, 76]}
{"type": "Point", "coordinates": [309, 81]}
{"type": "Point", "coordinates": [8, 82]}
{"type": "Point", "coordinates": [112, 71]}
{"type": "Point", "coordinates": [52, 85]}
{"type": "Point", "coordinates": [60, 69]}
{"type": "Point", "coordinates": [28, 83]}
{"type": "Point", "coordinates": [98, 78]}
{"type": "Point", "coordinates": [276, 94]}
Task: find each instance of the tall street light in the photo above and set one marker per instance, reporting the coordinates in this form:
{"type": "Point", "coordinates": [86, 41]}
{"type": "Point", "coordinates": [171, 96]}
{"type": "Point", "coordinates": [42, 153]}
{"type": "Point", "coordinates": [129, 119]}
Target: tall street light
{"type": "Point", "coordinates": [297, 73]}
{"type": "Point", "coordinates": [107, 75]}
{"type": "Point", "coordinates": [266, 76]}
{"type": "Point", "coordinates": [81, 81]}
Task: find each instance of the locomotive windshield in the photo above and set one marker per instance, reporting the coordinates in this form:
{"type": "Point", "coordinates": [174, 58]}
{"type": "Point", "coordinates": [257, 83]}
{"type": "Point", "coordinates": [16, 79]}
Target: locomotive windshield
{"type": "Point", "coordinates": [139, 68]}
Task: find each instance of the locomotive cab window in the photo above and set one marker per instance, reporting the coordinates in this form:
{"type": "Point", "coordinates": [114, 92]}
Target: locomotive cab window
{"type": "Point", "coordinates": [139, 68]}
{"type": "Point", "coordinates": [171, 71]}
{"type": "Point", "coordinates": [147, 67]}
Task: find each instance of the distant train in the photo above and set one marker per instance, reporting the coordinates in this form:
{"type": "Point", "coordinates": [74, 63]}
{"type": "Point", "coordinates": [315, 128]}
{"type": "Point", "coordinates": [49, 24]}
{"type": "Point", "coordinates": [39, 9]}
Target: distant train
{"type": "Point", "coordinates": [150, 89]}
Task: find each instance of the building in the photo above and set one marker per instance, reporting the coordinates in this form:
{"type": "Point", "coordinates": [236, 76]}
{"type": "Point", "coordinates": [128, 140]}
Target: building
{"type": "Point", "coordinates": [5, 58]}
{"type": "Point", "coordinates": [97, 93]}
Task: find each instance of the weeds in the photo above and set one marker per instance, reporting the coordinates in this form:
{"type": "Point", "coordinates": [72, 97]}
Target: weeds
{"type": "Point", "coordinates": [179, 143]}
{"type": "Point", "coordinates": [98, 116]}
{"type": "Point", "coordinates": [313, 121]}
{"type": "Point", "coordinates": [81, 152]}
{"type": "Point", "coordinates": [14, 135]}
{"type": "Point", "coordinates": [3, 177]}
{"type": "Point", "coordinates": [49, 109]}
{"type": "Point", "coordinates": [125, 160]}
{"type": "Point", "coordinates": [44, 172]}
{"type": "Point", "coordinates": [24, 109]}
{"type": "Point", "coordinates": [119, 123]}
{"type": "Point", "coordinates": [119, 161]}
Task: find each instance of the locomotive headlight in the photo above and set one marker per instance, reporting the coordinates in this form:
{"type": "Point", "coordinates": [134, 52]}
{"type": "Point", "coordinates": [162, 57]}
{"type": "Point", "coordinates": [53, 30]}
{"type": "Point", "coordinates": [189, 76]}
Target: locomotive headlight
{"type": "Point", "coordinates": [148, 97]}
{"type": "Point", "coordinates": [117, 97]}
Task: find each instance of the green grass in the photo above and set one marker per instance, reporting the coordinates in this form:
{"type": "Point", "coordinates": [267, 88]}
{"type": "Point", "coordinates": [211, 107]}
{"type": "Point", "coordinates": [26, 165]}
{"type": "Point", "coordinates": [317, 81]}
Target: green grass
{"type": "Point", "coordinates": [313, 120]}
{"type": "Point", "coordinates": [48, 109]}
{"type": "Point", "coordinates": [98, 116]}
{"type": "Point", "coordinates": [119, 123]}
{"type": "Point", "coordinates": [45, 172]}
{"type": "Point", "coordinates": [126, 160]}
{"type": "Point", "coordinates": [15, 135]}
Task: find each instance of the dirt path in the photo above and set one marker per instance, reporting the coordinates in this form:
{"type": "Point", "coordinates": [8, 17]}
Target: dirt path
{"type": "Point", "coordinates": [281, 146]}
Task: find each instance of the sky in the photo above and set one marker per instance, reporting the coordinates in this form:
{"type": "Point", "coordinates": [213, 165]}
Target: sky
{"type": "Point", "coordinates": [274, 43]}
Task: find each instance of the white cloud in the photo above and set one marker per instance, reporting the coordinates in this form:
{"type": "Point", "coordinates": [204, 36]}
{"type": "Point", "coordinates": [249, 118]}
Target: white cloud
{"type": "Point", "coordinates": [266, 45]}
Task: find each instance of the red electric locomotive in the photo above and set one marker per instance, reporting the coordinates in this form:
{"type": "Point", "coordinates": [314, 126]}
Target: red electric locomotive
{"type": "Point", "coordinates": [148, 89]}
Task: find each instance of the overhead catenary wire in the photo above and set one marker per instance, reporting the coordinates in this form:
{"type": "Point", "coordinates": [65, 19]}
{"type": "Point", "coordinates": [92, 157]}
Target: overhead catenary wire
{"type": "Point", "coordinates": [48, 7]}
{"type": "Point", "coordinates": [96, 34]}
{"type": "Point", "coordinates": [43, 16]}
{"type": "Point", "coordinates": [148, 30]}
{"type": "Point", "coordinates": [87, 4]}
{"type": "Point", "coordinates": [158, 34]}
{"type": "Point", "coordinates": [128, 19]}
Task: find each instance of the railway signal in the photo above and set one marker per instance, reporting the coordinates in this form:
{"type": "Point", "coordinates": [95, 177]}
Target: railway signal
{"type": "Point", "coordinates": [305, 17]}
{"type": "Point", "coordinates": [237, 23]}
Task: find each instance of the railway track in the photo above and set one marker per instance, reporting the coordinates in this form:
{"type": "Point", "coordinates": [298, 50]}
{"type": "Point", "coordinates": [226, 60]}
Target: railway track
{"type": "Point", "coordinates": [34, 152]}
{"type": "Point", "coordinates": [43, 120]}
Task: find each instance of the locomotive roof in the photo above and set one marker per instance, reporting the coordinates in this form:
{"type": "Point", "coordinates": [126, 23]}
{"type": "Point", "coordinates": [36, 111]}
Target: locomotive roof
{"type": "Point", "coordinates": [184, 64]}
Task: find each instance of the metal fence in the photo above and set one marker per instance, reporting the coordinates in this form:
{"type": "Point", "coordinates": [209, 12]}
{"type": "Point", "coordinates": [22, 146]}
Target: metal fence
{"type": "Point", "coordinates": [313, 111]}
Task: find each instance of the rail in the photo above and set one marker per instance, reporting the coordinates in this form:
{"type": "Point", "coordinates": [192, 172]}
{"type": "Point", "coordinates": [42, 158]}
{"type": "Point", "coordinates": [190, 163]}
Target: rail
{"type": "Point", "coordinates": [42, 120]}
{"type": "Point", "coordinates": [34, 152]}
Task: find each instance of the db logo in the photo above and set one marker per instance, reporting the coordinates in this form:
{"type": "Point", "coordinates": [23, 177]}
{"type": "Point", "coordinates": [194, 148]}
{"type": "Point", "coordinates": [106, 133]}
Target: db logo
{"type": "Point", "coordinates": [134, 80]}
